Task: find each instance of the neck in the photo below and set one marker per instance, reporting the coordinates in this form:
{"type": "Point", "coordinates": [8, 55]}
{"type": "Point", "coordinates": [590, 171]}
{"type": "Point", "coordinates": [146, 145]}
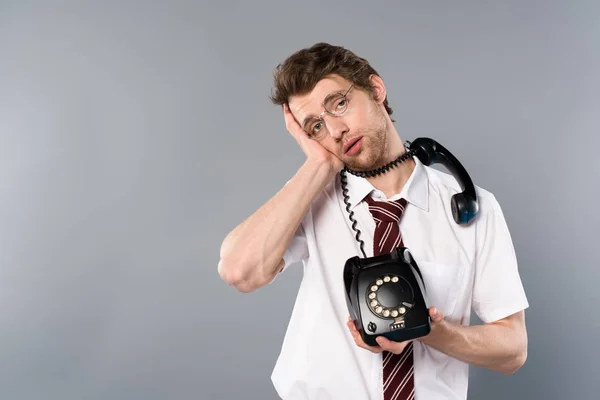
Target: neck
{"type": "Point", "coordinates": [392, 182]}
{"type": "Point", "coordinates": [391, 177]}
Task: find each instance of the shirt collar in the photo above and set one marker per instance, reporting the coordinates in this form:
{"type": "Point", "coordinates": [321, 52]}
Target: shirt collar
{"type": "Point", "coordinates": [415, 191]}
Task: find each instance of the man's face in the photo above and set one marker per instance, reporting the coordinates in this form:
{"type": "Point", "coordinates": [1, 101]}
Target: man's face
{"type": "Point", "coordinates": [358, 136]}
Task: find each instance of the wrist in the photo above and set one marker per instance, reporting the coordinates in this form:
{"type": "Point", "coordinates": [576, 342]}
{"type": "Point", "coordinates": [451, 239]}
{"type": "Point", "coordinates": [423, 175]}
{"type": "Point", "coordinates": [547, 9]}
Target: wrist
{"type": "Point", "coordinates": [320, 169]}
{"type": "Point", "coordinates": [441, 333]}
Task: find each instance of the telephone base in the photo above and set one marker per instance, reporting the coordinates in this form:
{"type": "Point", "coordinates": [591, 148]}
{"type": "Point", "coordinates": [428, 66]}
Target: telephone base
{"type": "Point", "coordinates": [399, 335]}
{"type": "Point", "coordinates": [385, 295]}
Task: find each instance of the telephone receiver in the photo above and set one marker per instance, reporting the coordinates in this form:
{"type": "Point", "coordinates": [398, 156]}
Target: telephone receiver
{"type": "Point", "coordinates": [464, 204]}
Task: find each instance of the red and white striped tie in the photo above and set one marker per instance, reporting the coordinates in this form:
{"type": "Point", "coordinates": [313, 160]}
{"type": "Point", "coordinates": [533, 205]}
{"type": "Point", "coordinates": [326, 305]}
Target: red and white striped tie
{"type": "Point", "coordinates": [398, 378]}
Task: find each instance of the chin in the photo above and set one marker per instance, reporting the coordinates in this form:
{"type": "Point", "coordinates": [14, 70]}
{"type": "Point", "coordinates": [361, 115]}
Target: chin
{"type": "Point", "coordinates": [362, 163]}
{"type": "Point", "coordinates": [371, 155]}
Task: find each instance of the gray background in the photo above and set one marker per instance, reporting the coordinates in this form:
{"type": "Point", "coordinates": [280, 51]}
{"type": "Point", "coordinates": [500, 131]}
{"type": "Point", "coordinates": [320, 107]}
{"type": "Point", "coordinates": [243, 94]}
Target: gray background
{"type": "Point", "coordinates": [133, 137]}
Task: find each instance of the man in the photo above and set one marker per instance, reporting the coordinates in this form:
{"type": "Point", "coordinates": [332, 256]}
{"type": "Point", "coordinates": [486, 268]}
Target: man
{"type": "Point", "coordinates": [335, 106]}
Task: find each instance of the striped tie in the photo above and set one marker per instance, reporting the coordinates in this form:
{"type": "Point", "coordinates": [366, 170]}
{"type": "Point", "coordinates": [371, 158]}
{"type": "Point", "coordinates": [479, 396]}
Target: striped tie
{"type": "Point", "coordinates": [398, 380]}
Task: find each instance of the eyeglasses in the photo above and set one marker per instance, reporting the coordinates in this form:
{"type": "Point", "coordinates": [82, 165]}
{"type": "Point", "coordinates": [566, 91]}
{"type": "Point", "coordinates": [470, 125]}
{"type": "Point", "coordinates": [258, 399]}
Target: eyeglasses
{"type": "Point", "coordinates": [335, 105]}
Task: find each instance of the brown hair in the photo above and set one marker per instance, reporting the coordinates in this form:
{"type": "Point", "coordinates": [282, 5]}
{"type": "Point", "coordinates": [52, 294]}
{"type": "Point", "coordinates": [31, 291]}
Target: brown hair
{"type": "Point", "coordinates": [301, 71]}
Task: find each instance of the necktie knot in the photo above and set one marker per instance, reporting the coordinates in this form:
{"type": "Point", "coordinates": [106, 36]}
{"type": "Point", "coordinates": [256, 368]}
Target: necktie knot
{"type": "Point", "coordinates": [386, 211]}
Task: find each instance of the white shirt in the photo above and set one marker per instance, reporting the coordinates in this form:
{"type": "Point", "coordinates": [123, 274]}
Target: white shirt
{"type": "Point", "coordinates": [464, 269]}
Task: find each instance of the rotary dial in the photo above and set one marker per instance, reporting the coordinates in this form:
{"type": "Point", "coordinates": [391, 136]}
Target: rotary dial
{"type": "Point", "coordinates": [390, 296]}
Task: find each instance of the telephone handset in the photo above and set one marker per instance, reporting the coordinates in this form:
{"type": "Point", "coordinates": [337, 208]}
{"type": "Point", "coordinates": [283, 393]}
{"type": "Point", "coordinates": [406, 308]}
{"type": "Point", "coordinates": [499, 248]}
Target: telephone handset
{"type": "Point", "coordinates": [386, 294]}
{"type": "Point", "coordinates": [464, 204]}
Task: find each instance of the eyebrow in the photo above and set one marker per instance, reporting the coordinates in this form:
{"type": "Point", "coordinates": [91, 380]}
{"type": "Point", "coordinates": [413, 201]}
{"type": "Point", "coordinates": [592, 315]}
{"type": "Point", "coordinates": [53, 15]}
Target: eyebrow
{"type": "Point", "coordinates": [312, 117]}
{"type": "Point", "coordinates": [308, 120]}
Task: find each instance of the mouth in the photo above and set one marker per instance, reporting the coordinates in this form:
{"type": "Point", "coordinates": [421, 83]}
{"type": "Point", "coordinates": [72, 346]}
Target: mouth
{"type": "Point", "coordinates": [348, 147]}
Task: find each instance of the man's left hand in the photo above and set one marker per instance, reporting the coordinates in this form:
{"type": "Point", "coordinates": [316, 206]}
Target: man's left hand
{"type": "Point", "coordinates": [437, 326]}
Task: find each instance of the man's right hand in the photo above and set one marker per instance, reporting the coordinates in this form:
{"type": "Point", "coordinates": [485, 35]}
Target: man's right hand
{"type": "Point", "coordinates": [252, 253]}
{"type": "Point", "coordinates": [312, 149]}
{"type": "Point", "coordinates": [384, 343]}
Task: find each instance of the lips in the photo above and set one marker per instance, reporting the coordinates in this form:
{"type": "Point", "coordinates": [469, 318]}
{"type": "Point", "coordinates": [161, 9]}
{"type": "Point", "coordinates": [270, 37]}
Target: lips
{"type": "Point", "coordinates": [351, 143]}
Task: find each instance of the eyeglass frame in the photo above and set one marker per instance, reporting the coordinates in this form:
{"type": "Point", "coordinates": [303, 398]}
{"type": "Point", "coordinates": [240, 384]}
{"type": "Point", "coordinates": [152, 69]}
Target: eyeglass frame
{"type": "Point", "coordinates": [320, 117]}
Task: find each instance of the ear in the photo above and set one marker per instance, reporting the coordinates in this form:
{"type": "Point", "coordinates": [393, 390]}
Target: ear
{"type": "Point", "coordinates": [379, 92]}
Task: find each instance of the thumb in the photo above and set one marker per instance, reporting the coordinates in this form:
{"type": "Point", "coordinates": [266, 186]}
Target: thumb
{"type": "Point", "coordinates": [436, 314]}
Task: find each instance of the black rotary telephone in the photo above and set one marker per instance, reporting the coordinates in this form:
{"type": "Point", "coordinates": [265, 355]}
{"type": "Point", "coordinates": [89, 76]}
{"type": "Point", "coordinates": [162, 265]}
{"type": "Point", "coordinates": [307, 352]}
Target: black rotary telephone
{"type": "Point", "coordinates": [386, 294]}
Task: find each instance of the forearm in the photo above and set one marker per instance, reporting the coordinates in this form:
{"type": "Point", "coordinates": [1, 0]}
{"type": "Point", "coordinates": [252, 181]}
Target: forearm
{"type": "Point", "coordinates": [251, 254]}
{"type": "Point", "coordinates": [493, 346]}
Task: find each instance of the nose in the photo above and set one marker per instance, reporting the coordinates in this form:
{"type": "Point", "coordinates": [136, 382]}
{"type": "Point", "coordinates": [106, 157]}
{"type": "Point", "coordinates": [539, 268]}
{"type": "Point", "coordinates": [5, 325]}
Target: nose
{"type": "Point", "coordinates": [335, 126]}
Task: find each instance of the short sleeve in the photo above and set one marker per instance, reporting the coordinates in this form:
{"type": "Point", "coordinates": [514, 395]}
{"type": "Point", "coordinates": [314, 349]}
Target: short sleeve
{"type": "Point", "coordinates": [298, 249]}
{"type": "Point", "coordinates": [498, 290]}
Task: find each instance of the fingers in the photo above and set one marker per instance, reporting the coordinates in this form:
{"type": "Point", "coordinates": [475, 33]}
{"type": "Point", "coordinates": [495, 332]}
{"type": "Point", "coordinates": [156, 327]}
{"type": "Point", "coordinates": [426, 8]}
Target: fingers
{"type": "Point", "coordinates": [435, 314]}
{"type": "Point", "coordinates": [392, 347]}
{"type": "Point", "coordinates": [290, 123]}
{"type": "Point", "coordinates": [358, 339]}
{"type": "Point", "coordinates": [384, 343]}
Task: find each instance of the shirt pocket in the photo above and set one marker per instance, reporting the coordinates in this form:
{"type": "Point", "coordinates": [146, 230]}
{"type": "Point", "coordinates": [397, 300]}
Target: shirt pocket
{"type": "Point", "coordinates": [443, 283]}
